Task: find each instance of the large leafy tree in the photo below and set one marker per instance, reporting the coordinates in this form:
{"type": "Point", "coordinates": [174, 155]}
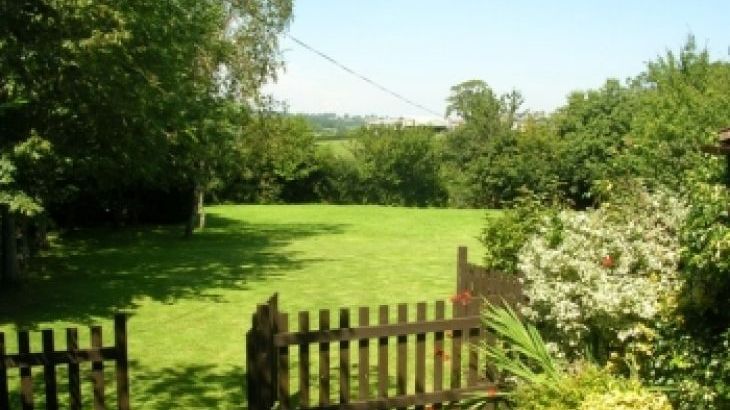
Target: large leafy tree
{"type": "Point", "coordinates": [107, 96]}
{"type": "Point", "coordinates": [487, 119]}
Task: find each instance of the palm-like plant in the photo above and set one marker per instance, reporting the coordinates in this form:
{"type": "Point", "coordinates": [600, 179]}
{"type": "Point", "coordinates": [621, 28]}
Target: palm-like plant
{"type": "Point", "coordinates": [519, 350]}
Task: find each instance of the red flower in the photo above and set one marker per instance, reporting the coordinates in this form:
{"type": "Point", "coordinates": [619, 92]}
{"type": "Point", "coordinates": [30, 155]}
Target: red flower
{"type": "Point", "coordinates": [607, 261]}
{"type": "Point", "coordinates": [462, 298]}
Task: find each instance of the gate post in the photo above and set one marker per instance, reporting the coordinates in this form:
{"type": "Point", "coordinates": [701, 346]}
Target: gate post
{"type": "Point", "coordinates": [261, 357]}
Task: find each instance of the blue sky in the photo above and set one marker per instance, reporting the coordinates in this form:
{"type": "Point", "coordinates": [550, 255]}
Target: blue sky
{"type": "Point", "coordinates": [420, 48]}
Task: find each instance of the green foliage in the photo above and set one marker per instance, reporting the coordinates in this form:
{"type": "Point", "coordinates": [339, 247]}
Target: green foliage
{"type": "Point", "coordinates": [338, 178]}
{"type": "Point", "coordinates": [706, 257]}
{"type": "Point", "coordinates": [520, 352]}
{"type": "Point", "coordinates": [131, 93]}
{"type": "Point", "coordinates": [587, 387]}
{"type": "Point", "coordinates": [506, 233]}
{"type": "Point", "coordinates": [398, 166]}
{"type": "Point", "coordinates": [684, 101]}
{"type": "Point", "coordinates": [542, 383]}
{"type": "Point", "coordinates": [385, 165]}
{"type": "Point", "coordinates": [274, 156]}
{"type": "Point", "coordinates": [485, 137]}
{"type": "Point", "coordinates": [694, 370]}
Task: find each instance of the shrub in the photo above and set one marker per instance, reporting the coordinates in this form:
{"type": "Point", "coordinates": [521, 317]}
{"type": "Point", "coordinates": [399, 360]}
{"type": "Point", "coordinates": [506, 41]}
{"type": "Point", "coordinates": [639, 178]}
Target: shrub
{"type": "Point", "coordinates": [505, 233]}
{"type": "Point", "coordinates": [398, 166]}
{"type": "Point", "coordinates": [706, 258]}
{"type": "Point", "coordinates": [544, 383]}
{"type": "Point", "coordinates": [695, 371]}
{"type": "Point", "coordinates": [596, 278]}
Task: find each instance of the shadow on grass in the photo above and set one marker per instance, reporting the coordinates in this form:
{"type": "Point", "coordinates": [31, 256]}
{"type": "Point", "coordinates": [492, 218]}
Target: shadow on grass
{"type": "Point", "coordinates": [193, 387]}
{"type": "Point", "coordinates": [98, 272]}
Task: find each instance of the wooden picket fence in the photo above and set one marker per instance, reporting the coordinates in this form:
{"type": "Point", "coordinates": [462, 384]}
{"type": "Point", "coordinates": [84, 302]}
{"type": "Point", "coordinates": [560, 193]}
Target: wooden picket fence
{"type": "Point", "coordinates": [482, 283]}
{"type": "Point", "coordinates": [270, 345]}
{"type": "Point", "coordinates": [50, 358]}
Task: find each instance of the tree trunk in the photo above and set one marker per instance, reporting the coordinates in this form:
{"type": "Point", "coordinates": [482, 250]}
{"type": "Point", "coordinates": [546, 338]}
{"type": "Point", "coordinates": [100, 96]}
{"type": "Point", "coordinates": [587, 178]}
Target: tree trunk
{"type": "Point", "coordinates": [201, 208]}
{"type": "Point", "coordinates": [195, 211]}
{"type": "Point", "coordinates": [23, 250]}
{"type": "Point", "coordinates": [10, 268]}
{"type": "Point", "coordinates": [40, 236]}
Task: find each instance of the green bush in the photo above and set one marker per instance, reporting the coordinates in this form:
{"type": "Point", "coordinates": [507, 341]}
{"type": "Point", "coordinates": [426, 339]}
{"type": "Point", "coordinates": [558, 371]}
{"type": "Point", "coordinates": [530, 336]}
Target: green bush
{"type": "Point", "coordinates": [588, 387]}
{"type": "Point", "coordinates": [695, 371]}
{"type": "Point", "coordinates": [705, 254]}
{"type": "Point", "coordinates": [398, 166]}
{"type": "Point", "coordinates": [544, 383]}
{"type": "Point", "coordinates": [505, 233]}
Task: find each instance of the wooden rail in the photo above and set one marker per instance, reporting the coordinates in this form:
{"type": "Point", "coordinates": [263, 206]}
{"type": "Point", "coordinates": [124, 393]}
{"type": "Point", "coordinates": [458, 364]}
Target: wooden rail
{"type": "Point", "coordinates": [72, 357]}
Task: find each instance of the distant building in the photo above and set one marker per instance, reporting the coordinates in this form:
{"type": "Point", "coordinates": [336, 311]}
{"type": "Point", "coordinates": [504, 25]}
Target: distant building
{"type": "Point", "coordinates": [437, 124]}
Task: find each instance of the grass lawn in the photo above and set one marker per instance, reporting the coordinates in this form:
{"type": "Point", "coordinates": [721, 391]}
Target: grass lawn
{"type": "Point", "coordinates": [339, 147]}
{"type": "Point", "coordinates": [191, 301]}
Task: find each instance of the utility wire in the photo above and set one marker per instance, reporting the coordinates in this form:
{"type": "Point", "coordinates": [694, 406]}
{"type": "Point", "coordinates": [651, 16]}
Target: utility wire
{"type": "Point", "coordinates": [362, 77]}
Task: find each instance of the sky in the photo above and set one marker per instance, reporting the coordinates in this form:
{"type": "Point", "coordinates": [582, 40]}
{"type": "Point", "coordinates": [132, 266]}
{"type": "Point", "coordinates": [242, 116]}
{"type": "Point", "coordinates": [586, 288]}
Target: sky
{"type": "Point", "coordinates": [421, 48]}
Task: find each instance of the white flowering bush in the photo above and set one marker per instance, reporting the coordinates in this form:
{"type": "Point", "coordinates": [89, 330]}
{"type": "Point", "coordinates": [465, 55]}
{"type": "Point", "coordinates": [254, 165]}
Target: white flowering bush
{"type": "Point", "coordinates": [596, 278]}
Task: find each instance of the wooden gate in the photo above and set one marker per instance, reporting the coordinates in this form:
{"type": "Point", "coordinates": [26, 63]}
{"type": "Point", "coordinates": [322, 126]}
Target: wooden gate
{"type": "Point", "coordinates": [455, 368]}
{"type": "Point", "coordinates": [420, 360]}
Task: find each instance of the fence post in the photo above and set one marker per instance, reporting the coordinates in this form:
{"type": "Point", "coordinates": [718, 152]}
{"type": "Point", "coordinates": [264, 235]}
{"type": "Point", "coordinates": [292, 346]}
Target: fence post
{"type": "Point", "coordinates": [271, 351]}
{"type": "Point", "coordinates": [462, 270]}
{"type": "Point", "coordinates": [4, 396]}
{"type": "Point", "coordinates": [122, 361]}
{"type": "Point", "coordinates": [261, 357]}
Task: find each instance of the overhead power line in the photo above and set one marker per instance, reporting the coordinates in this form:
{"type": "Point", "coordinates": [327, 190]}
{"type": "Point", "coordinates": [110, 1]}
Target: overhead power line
{"type": "Point", "coordinates": [362, 77]}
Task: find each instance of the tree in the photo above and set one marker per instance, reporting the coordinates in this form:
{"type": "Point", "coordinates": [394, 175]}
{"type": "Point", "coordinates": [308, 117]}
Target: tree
{"type": "Point", "coordinates": [126, 94]}
{"type": "Point", "coordinates": [487, 118]}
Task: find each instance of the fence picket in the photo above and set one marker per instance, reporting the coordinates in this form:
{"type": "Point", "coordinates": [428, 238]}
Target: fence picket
{"type": "Point", "coordinates": [97, 370]}
{"type": "Point", "coordinates": [304, 389]}
{"type": "Point", "coordinates": [439, 352]}
{"type": "Point", "coordinates": [49, 371]}
{"type": "Point", "coordinates": [473, 377]}
{"type": "Point", "coordinates": [420, 353]}
{"type": "Point", "coordinates": [383, 355]}
{"type": "Point", "coordinates": [26, 379]}
{"type": "Point", "coordinates": [363, 362]}
{"type": "Point", "coordinates": [74, 379]}
{"type": "Point", "coordinates": [4, 396]}
{"type": "Point", "coordinates": [401, 353]}
{"type": "Point", "coordinates": [282, 325]}
{"type": "Point", "coordinates": [344, 359]}
{"type": "Point", "coordinates": [324, 360]}
{"type": "Point", "coordinates": [456, 355]}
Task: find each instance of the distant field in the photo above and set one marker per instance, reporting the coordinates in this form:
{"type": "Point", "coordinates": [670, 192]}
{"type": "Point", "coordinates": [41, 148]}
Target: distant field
{"type": "Point", "coordinates": [191, 300]}
{"type": "Point", "coordinates": [339, 147]}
